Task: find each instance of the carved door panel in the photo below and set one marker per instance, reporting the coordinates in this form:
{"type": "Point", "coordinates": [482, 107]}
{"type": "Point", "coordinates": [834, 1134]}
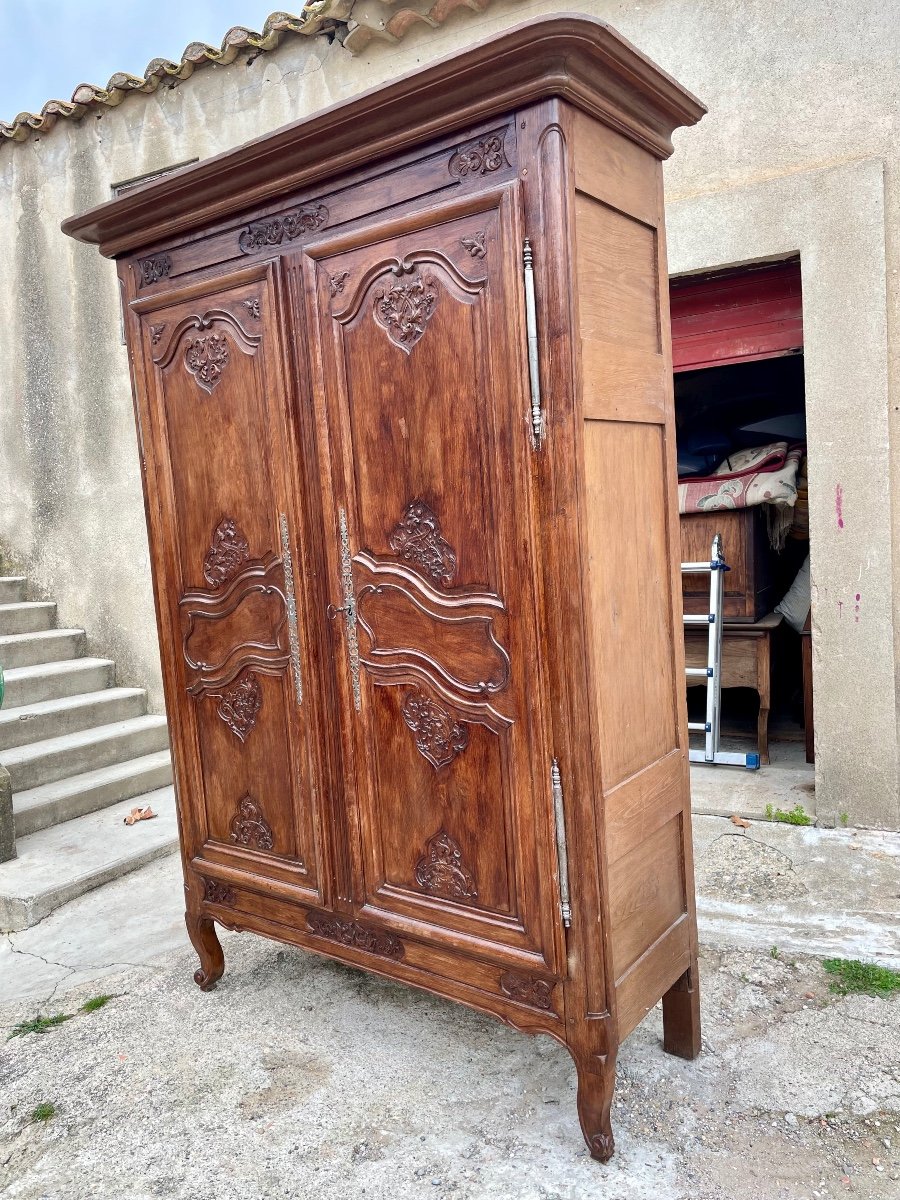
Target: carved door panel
{"type": "Point", "coordinates": [228, 545]}
{"type": "Point", "coordinates": [421, 360]}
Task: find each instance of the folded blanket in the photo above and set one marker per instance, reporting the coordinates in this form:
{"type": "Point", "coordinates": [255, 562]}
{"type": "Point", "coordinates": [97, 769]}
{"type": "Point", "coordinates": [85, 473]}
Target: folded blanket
{"type": "Point", "coordinates": [763, 475]}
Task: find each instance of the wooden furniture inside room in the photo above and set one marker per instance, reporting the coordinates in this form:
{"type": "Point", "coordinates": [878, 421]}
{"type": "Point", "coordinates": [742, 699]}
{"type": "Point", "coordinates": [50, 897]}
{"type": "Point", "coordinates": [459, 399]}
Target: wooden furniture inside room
{"type": "Point", "coordinates": [402, 379]}
{"type": "Point", "coordinates": [749, 589]}
{"type": "Point", "coordinates": [746, 663]}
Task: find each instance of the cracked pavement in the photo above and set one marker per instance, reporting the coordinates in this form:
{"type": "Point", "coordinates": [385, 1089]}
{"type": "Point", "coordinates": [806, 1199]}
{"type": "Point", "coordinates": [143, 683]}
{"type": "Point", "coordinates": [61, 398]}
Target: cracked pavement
{"type": "Point", "coordinates": [301, 1078]}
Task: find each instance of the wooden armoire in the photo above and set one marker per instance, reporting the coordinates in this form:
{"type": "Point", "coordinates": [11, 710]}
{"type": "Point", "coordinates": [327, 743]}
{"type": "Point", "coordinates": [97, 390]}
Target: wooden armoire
{"type": "Point", "coordinates": [402, 381]}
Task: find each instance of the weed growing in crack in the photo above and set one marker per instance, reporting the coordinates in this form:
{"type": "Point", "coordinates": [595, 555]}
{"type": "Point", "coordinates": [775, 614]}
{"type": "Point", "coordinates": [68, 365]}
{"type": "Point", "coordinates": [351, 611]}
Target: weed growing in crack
{"type": "Point", "coordinates": [43, 1112]}
{"type": "Point", "coordinates": [41, 1024]}
{"type": "Point", "coordinates": [853, 976]}
{"type": "Point", "coordinates": [845, 819]}
{"type": "Point", "coordinates": [774, 952]}
{"type": "Point", "coordinates": [96, 1002]}
{"type": "Point", "coordinates": [797, 815]}
{"type": "Point", "coordinates": [38, 1025]}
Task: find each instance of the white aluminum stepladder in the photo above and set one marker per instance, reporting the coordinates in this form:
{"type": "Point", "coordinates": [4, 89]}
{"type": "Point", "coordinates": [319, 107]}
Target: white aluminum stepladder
{"type": "Point", "coordinates": [712, 672]}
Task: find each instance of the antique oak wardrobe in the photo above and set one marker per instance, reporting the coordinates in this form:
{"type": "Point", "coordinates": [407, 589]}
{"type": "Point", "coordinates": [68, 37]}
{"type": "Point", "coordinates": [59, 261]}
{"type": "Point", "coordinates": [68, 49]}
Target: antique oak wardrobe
{"type": "Point", "coordinates": [403, 392]}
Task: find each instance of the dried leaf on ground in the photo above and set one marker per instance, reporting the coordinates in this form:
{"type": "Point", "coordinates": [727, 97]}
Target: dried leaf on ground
{"type": "Point", "coordinates": [140, 814]}
{"type": "Point", "coordinates": [739, 821]}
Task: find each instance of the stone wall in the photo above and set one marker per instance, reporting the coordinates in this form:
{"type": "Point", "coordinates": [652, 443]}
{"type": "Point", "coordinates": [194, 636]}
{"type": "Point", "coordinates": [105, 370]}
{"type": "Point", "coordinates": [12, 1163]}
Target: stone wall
{"type": "Point", "coordinates": [799, 153]}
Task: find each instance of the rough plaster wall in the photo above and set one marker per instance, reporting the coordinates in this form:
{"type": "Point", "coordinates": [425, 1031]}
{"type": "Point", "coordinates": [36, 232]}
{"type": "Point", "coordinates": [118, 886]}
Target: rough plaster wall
{"type": "Point", "coordinates": [791, 88]}
{"type": "Point", "coordinates": [835, 218]}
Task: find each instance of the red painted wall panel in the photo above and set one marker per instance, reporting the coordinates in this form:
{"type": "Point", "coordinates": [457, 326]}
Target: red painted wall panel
{"type": "Point", "coordinates": [736, 316]}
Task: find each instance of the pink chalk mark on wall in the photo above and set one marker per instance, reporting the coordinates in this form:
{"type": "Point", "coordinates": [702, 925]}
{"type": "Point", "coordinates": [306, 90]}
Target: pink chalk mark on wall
{"type": "Point", "coordinates": [839, 506]}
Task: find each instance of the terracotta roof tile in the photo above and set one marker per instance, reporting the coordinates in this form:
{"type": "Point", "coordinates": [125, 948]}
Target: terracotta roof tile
{"type": "Point", "coordinates": [356, 22]}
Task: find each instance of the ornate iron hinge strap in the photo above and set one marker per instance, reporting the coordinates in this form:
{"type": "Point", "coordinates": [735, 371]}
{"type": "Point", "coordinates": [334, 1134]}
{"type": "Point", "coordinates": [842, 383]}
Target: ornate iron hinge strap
{"type": "Point", "coordinates": [561, 847]}
{"type": "Point", "coordinates": [534, 374]}
{"type": "Point", "coordinates": [293, 635]}
{"type": "Point", "coordinates": [349, 607]}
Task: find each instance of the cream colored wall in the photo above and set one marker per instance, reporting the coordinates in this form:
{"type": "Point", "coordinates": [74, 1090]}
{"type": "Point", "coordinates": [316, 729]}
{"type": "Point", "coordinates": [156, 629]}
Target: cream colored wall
{"type": "Point", "coordinates": [795, 93]}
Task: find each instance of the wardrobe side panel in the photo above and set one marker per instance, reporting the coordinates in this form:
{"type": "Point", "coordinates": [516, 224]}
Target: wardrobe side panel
{"type": "Point", "coordinates": [638, 657]}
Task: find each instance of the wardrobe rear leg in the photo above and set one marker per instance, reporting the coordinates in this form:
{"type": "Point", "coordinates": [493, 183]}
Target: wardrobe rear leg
{"type": "Point", "coordinates": [681, 1015]}
{"type": "Point", "coordinates": [202, 932]}
{"type": "Point", "coordinates": [596, 1085]}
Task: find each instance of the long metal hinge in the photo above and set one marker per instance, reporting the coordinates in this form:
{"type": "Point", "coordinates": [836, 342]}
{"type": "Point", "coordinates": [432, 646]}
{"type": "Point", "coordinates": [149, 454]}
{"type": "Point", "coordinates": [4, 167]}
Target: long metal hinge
{"type": "Point", "coordinates": [562, 851]}
{"type": "Point", "coordinates": [534, 374]}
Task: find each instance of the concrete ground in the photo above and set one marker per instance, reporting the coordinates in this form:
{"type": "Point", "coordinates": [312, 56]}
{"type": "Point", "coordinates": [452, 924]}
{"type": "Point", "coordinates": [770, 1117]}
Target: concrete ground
{"type": "Point", "coordinates": [300, 1078]}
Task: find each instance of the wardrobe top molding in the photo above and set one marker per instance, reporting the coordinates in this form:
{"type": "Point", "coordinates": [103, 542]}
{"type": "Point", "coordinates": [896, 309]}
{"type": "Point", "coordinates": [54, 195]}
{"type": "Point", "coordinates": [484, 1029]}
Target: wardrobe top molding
{"type": "Point", "coordinates": [568, 55]}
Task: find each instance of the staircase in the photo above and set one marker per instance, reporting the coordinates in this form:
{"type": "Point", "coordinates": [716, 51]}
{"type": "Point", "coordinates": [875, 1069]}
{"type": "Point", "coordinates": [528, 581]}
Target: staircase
{"type": "Point", "coordinates": [81, 753]}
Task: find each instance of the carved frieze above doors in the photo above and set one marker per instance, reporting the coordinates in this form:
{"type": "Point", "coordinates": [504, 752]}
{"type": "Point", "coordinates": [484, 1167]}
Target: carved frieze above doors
{"type": "Point", "coordinates": [274, 230]}
{"type": "Point", "coordinates": [483, 156]}
{"type": "Point", "coordinates": [152, 270]}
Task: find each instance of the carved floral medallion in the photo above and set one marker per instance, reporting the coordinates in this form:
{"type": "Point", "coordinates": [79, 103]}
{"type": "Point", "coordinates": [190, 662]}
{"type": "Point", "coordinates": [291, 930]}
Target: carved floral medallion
{"type": "Point", "coordinates": [441, 870]}
{"type": "Point", "coordinates": [355, 934]}
{"type": "Point", "coordinates": [438, 736]}
{"type": "Point", "coordinates": [154, 269]}
{"type": "Point", "coordinates": [479, 158]}
{"type": "Point", "coordinates": [416, 538]}
{"type": "Point", "coordinates": [282, 229]}
{"type": "Point", "coordinates": [227, 553]}
{"type": "Point", "coordinates": [404, 310]}
{"type": "Point", "coordinates": [250, 828]}
{"type": "Point", "coordinates": [239, 706]}
{"type": "Point", "coordinates": [206, 357]}
{"type": "Point", "coordinates": [475, 244]}
{"type": "Point", "coordinates": [215, 892]}
{"type": "Point", "coordinates": [537, 993]}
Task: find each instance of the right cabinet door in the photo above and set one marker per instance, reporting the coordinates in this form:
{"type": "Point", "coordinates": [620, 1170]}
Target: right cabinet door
{"type": "Point", "coordinates": [420, 376]}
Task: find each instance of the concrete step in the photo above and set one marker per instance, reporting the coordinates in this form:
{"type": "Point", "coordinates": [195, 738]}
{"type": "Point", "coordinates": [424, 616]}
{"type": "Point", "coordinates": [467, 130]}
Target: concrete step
{"type": "Point", "coordinates": [52, 681]}
{"type": "Point", "coordinates": [66, 799]}
{"type": "Point", "coordinates": [88, 750]}
{"type": "Point", "coordinates": [58, 864]}
{"type": "Point", "coordinates": [54, 718]}
{"type": "Point", "coordinates": [52, 645]}
{"type": "Point", "coordinates": [29, 616]}
{"type": "Point", "coordinates": [12, 588]}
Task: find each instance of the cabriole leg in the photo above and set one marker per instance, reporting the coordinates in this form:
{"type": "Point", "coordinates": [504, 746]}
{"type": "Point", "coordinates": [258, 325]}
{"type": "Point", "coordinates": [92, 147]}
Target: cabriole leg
{"type": "Point", "coordinates": [681, 1015]}
{"type": "Point", "coordinates": [202, 932]}
{"type": "Point", "coordinates": [596, 1084]}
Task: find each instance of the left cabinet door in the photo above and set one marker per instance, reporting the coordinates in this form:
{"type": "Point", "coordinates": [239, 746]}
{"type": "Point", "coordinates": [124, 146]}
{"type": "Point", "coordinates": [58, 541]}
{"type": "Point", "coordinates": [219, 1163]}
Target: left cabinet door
{"type": "Point", "coordinates": [227, 539]}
